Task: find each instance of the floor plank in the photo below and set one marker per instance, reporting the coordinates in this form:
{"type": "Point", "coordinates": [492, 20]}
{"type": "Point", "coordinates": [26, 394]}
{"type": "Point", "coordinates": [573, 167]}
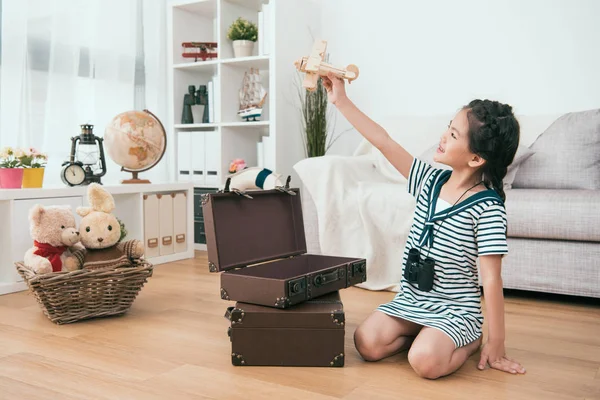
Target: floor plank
{"type": "Point", "coordinates": [173, 343]}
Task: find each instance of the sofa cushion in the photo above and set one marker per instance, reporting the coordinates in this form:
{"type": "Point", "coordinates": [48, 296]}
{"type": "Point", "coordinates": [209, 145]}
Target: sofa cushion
{"type": "Point", "coordinates": [553, 214]}
{"type": "Point", "coordinates": [567, 155]}
{"type": "Point", "coordinates": [523, 153]}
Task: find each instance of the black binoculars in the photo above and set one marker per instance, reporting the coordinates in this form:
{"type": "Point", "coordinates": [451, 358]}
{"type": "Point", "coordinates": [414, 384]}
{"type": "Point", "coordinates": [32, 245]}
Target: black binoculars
{"type": "Point", "coordinates": [419, 271]}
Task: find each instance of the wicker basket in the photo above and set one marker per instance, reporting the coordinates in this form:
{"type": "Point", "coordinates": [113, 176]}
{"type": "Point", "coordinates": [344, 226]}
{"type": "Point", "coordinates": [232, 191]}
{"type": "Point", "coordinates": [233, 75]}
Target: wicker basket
{"type": "Point", "coordinates": [67, 297]}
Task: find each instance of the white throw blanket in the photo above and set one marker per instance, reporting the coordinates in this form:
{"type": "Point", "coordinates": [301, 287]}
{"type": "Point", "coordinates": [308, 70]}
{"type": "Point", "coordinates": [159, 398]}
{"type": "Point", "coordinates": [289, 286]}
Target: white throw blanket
{"type": "Point", "coordinates": [363, 210]}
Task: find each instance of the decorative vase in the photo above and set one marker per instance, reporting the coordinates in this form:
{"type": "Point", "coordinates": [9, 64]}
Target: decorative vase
{"type": "Point", "coordinates": [242, 48]}
{"type": "Point", "coordinates": [11, 178]}
{"type": "Point", "coordinates": [33, 177]}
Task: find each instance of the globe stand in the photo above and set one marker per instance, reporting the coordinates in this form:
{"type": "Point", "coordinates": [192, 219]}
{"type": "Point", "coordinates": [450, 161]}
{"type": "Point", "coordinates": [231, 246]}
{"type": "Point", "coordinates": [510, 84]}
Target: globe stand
{"type": "Point", "coordinates": [134, 179]}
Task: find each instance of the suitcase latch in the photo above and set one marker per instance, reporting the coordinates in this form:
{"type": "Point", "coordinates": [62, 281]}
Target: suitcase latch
{"type": "Point", "coordinates": [359, 268]}
{"type": "Point", "coordinates": [296, 288]}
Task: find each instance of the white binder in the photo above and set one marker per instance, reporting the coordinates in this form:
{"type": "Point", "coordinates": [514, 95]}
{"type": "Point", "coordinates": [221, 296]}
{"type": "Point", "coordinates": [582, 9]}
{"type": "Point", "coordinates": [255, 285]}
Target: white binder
{"type": "Point", "coordinates": [212, 160]}
{"type": "Point", "coordinates": [165, 223]}
{"type": "Point", "coordinates": [180, 222]}
{"type": "Point", "coordinates": [197, 153]}
{"type": "Point", "coordinates": [184, 156]}
{"type": "Point", "coordinates": [151, 226]}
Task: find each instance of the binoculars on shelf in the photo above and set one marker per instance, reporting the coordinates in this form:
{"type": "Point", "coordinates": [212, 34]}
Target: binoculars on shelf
{"type": "Point", "coordinates": [419, 272]}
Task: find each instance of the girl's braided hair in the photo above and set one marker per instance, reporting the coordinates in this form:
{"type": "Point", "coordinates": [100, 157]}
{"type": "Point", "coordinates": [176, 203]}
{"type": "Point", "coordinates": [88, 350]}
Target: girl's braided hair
{"type": "Point", "coordinates": [494, 134]}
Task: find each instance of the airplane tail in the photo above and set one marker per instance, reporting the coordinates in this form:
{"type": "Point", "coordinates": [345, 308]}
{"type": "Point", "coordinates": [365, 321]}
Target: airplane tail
{"type": "Point", "coordinates": [352, 73]}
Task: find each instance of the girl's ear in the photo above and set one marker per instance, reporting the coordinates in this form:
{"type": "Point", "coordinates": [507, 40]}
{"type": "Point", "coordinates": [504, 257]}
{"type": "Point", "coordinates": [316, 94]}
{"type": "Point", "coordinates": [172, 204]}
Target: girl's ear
{"type": "Point", "coordinates": [476, 161]}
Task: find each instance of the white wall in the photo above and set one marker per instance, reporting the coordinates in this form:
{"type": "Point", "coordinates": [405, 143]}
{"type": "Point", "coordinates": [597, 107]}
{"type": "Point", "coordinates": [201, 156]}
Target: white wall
{"type": "Point", "coordinates": [430, 57]}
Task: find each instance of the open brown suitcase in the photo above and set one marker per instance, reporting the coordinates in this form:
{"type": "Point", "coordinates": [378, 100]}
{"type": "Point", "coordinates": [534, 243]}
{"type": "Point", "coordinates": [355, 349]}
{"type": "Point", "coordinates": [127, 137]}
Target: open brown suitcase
{"type": "Point", "coordinates": [310, 334]}
{"type": "Point", "coordinates": [259, 243]}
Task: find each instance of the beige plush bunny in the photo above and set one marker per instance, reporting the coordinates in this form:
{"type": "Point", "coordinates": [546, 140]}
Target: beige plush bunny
{"type": "Point", "coordinates": [100, 233]}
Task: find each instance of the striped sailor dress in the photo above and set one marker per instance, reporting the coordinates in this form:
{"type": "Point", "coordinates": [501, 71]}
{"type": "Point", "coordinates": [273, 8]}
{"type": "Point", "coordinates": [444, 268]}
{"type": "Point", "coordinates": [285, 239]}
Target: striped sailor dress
{"type": "Point", "coordinates": [454, 236]}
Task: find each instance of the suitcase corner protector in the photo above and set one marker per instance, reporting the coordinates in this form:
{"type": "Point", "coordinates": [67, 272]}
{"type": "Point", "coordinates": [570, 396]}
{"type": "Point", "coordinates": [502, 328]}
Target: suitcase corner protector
{"type": "Point", "coordinates": [282, 302]}
{"type": "Point", "coordinates": [212, 267]}
{"type": "Point", "coordinates": [338, 361]}
{"type": "Point", "coordinates": [338, 317]}
{"type": "Point", "coordinates": [224, 294]}
{"type": "Point", "coordinates": [237, 359]}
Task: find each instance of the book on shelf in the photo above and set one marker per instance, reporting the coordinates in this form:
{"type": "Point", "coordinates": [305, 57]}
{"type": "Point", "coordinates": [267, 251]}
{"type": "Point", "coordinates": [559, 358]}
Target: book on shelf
{"type": "Point", "coordinates": [261, 31]}
{"type": "Point", "coordinates": [211, 101]}
{"type": "Point", "coordinates": [264, 30]}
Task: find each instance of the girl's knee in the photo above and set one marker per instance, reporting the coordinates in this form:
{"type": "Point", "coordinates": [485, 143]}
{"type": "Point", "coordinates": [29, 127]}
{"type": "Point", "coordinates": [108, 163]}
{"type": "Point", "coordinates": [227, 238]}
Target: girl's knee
{"type": "Point", "coordinates": [425, 363]}
{"type": "Point", "coordinates": [367, 346]}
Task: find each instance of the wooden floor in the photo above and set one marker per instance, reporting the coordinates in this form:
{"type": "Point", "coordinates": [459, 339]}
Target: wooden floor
{"type": "Point", "coordinates": [173, 344]}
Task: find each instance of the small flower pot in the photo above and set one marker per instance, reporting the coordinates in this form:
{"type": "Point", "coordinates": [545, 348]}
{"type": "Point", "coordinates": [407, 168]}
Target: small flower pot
{"type": "Point", "coordinates": [33, 177]}
{"type": "Point", "coordinates": [11, 178]}
{"type": "Point", "coordinates": [243, 48]}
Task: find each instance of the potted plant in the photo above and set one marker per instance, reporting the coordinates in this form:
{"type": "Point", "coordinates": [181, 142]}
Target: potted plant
{"type": "Point", "coordinates": [243, 34]}
{"type": "Point", "coordinates": [34, 164]}
{"type": "Point", "coordinates": [317, 131]}
{"type": "Point", "coordinates": [11, 173]}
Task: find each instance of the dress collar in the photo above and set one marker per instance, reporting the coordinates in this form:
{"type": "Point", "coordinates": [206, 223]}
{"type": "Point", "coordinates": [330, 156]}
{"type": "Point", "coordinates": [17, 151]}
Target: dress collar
{"type": "Point", "coordinates": [439, 179]}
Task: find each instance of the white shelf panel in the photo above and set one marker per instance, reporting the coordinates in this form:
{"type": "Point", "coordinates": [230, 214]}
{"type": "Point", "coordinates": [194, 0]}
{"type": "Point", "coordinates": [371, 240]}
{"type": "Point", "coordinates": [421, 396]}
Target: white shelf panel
{"type": "Point", "coordinates": [244, 124]}
{"type": "Point", "coordinates": [6, 288]}
{"type": "Point", "coordinates": [261, 62]}
{"type": "Point", "coordinates": [196, 126]}
{"type": "Point", "coordinates": [114, 189]}
{"type": "Point", "coordinates": [172, 257]}
{"type": "Point", "coordinates": [254, 5]}
{"type": "Point", "coordinates": [198, 66]}
{"type": "Point", "coordinates": [207, 8]}
{"type": "Point", "coordinates": [200, 247]}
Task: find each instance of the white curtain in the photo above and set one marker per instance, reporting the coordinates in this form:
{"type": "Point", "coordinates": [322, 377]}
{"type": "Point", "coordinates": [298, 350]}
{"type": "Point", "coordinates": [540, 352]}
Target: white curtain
{"type": "Point", "coordinates": [70, 62]}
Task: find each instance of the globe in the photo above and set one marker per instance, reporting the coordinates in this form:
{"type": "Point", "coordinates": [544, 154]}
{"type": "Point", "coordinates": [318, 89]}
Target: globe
{"type": "Point", "coordinates": [135, 140]}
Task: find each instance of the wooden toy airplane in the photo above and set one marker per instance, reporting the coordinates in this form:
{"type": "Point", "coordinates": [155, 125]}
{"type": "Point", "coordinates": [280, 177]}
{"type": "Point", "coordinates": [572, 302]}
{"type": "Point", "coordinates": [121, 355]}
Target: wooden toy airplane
{"type": "Point", "coordinates": [314, 66]}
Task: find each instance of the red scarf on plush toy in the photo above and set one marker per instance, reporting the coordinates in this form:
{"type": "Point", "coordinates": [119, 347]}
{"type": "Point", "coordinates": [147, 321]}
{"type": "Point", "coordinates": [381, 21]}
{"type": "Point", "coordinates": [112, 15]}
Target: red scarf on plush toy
{"type": "Point", "coordinates": [52, 253]}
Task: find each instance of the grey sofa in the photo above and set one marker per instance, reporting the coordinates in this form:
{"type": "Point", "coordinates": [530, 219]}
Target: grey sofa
{"type": "Point", "coordinates": [553, 210]}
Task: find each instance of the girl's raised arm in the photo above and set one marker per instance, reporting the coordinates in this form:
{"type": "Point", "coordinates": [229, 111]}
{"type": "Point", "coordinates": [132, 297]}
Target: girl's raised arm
{"type": "Point", "coordinates": [396, 154]}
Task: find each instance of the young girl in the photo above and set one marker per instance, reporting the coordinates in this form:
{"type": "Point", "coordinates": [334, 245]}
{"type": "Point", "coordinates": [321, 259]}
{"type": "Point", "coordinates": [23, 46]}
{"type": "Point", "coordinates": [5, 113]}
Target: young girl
{"type": "Point", "coordinates": [459, 217]}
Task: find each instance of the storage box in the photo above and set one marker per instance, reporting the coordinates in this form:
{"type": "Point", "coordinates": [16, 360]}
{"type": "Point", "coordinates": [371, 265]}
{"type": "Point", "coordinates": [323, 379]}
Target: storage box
{"type": "Point", "coordinates": [310, 334]}
{"type": "Point", "coordinates": [260, 245]}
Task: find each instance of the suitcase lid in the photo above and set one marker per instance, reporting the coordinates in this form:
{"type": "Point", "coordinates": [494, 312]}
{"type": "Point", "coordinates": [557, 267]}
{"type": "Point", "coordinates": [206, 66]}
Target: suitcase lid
{"type": "Point", "coordinates": [241, 231]}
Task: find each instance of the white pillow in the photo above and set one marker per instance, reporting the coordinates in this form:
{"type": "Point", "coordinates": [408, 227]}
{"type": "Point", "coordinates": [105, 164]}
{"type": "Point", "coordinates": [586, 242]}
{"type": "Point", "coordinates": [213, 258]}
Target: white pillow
{"type": "Point", "coordinates": [523, 153]}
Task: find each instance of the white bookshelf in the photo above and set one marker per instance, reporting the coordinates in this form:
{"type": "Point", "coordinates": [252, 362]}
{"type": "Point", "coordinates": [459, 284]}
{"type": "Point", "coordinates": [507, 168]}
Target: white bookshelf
{"type": "Point", "coordinates": [289, 29]}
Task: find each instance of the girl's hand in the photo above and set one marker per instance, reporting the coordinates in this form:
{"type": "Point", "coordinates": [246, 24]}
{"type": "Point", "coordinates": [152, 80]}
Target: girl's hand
{"type": "Point", "coordinates": [494, 355]}
{"type": "Point", "coordinates": [335, 87]}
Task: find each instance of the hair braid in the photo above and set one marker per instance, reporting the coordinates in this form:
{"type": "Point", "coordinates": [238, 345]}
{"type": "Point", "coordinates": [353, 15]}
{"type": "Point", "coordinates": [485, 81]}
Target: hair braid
{"type": "Point", "coordinates": [494, 134]}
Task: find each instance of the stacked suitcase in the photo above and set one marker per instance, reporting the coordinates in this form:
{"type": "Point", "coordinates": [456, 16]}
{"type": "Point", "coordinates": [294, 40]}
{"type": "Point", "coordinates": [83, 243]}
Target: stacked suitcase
{"type": "Point", "coordinates": [288, 310]}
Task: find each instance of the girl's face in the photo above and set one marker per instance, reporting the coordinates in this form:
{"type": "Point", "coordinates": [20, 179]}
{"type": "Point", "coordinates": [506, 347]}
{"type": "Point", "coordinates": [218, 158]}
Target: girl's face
{"type": "Point", "coordinates": [453, 149]}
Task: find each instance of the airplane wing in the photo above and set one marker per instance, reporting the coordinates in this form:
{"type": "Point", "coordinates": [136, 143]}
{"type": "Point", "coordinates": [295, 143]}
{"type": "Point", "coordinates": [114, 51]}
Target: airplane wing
{"type": "Point", "coordinates": [316, 56]}
{"type": "Point", "coordinates": [310, 81]}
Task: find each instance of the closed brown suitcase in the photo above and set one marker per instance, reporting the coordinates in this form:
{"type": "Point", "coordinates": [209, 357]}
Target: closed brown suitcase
{"type": "Point", "coordinates": [310, 334]}
{"type": "Point", "coordinates": [259, 242]}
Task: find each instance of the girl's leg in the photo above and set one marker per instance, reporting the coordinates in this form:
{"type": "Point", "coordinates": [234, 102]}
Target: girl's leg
{"type": "Point", "coordinates": [381, 336]}
{"type": "Point", "coordinates": [434, 355]}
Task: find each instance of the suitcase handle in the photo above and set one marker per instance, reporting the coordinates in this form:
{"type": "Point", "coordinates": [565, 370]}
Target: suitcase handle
{"type": "Point", "coordinates": [323, 279]}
